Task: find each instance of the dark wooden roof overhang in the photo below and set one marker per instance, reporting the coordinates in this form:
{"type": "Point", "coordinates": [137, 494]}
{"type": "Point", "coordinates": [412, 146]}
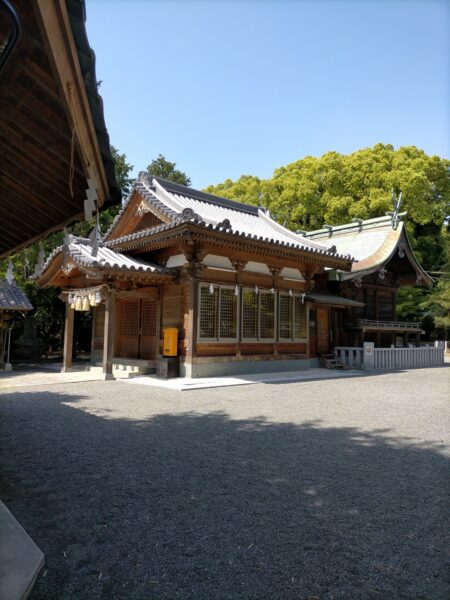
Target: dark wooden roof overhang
{"type": "Point", "coordinates": [333, 301]}
{"type": "Point", "coordinates": [165, 236]}
{"type": "Point", "coordinates": [52, 132]}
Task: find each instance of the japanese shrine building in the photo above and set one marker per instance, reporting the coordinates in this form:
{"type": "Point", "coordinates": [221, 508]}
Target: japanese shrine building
{"type": "Point", "coordinates": [245, 293]}
{"type": "Point", "coordinates": [384, 262]}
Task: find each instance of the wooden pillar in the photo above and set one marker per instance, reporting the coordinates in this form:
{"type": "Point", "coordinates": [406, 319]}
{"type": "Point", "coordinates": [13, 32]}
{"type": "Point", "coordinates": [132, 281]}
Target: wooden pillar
{"type": "Point", "coordinates": [108, 335]}
{"type": "Point", "coordinates": [192, 319]}
{"type": "Point", "coordinates": [94, 318]}
{"type": "Point", "coordinates": [1, 341]}
{"type": "Point", "coordinates": [68, 338]}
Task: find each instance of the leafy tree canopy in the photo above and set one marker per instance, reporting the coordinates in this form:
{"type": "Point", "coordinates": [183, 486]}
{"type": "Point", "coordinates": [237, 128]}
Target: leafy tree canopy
{"type": "Point", "coordinates": [335, 188]}
{"type": "Point", "coordinates": [122, 169]}
{"type": "Point", "coordinates": [161, 167]}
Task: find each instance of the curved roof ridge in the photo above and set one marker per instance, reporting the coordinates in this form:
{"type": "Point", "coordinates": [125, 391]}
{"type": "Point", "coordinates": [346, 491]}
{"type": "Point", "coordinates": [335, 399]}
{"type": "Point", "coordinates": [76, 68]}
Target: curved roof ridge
{"type": "Point", "coordinates": [288, 232]}
{"type": "Point", "coordinates": [355, 224]}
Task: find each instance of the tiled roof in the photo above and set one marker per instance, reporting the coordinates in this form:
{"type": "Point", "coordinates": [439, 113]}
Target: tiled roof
{"type": "Point", "coordinates": [182, 204]}
{"type": "Point", "coordinates": [12, 297]}
{"type": "Point", "coordinates": [361, 239]}
{"type": "Point", "coordinates": [80, 251]}
{"type": "Point", "coordinates": [373, 242]}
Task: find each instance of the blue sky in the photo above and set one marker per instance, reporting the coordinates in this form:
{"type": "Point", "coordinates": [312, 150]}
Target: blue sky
{"type": "Point", "coordinates": [243, 87]}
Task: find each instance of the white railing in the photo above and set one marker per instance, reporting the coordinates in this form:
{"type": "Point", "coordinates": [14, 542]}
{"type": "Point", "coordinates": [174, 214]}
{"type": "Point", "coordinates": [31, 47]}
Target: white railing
{"type": "Point", "coordinates": [391, 358]}
{"type": "Point", "coordinates": [390, 325]}
{"type": "Point", "coordinates": [351, 357]}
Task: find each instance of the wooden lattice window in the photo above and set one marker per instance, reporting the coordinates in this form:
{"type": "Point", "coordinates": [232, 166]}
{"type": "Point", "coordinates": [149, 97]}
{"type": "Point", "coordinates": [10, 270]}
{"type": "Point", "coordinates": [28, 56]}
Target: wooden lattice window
{"type": "Point", "coordinates": [285, 317]}
{"type": "Point", "coordinates": [267, 315]}
{"type": "Point", "coordinates": [299, 318]}
{"type": "Point", "coordinates": [149, 317]}
{"type": "Point", "coordinates": [129, 318]}
{"type": "Point", "coordinates": [227, 313]}
{"type": "Point", "coordinates": [217, 313]}
{"type": "Point", "coordinates": [208, 313]}
{"type": "Point", "coordinates": [249, 314]}
{"type": "Point", "coordinates": [292, 317]}
{"type": "Point", "coordinates": [258, 315]}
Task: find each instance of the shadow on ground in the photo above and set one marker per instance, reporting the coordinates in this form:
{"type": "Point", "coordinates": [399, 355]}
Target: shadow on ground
{"type": "Point", "coordinates": [204, 507]}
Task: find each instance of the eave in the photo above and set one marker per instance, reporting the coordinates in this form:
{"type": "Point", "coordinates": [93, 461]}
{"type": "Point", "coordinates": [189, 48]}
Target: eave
{"type": "Point", "coordinates": [190, 232]}
{"type": "Point", "coordinates": [53, 140]}
{"type": "Point", "coordinates": [385, 254]}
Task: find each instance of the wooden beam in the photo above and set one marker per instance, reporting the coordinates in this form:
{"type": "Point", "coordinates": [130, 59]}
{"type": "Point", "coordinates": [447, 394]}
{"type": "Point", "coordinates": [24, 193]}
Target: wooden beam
{"type": "Point", "coordinates": [27, 159]}
{"type": "Point", "coordinates": [33, 186]}
{"type": "Point", "coordinates": [8, 250]}
{"type": "Point", "coordinates": [57, 33]}
{"type": "Point", "coordinates": [50, 143]}
{"type": "Point", "coordinates": [68, 339]}
{"type": "Point", "coordinates": [48, 111]}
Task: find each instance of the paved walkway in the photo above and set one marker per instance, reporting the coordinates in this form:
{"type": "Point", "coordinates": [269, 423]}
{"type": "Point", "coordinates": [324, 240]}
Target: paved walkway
{"type": "Point", "coordinates": [330, 489]}
{"type": "Point", "coordinates": [49, 376]}
{"type": "Point", "coordinates": [31, 378]}
{"type": "Point", "coordinates": [183, 384]}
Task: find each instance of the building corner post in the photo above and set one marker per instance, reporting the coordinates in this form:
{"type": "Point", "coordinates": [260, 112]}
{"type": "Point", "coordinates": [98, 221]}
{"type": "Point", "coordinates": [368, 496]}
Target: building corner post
{"type": "Point", "coordinates": [68, 338]}
{"type": "Point", "coordinates": [109, 335]}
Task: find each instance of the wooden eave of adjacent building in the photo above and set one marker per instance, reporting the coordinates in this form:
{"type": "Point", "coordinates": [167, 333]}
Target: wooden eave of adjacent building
{"type": "Point", "coordinates": [49, 136]}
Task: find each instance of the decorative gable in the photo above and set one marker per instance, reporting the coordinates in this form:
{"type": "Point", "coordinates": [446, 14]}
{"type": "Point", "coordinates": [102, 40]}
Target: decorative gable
{"type": "Point", "coordinates": [136, 215]}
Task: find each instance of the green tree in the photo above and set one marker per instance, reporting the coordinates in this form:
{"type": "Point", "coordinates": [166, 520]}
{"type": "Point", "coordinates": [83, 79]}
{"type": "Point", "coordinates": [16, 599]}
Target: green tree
{"type": "Point", "coordinates": [160, 167]}
{"type": "Point", "coordinates": [122, 170]}
{"type": "Point", "coordinates": [335, 187]}
{"type": "Point", "coordinates": [439, 302]}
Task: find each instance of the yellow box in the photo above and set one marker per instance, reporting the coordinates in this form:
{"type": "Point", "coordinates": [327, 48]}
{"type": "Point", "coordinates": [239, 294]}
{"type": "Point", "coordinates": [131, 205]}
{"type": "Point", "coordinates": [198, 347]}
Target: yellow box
{"type": "Point", "coordinates": [170, 344]}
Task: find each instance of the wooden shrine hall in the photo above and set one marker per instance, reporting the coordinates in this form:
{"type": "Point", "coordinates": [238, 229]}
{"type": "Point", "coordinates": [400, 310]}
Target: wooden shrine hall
{"type": "Point", "coordinates": [237, 286]}
{"type": "Point", "coordinates": [244, 293]}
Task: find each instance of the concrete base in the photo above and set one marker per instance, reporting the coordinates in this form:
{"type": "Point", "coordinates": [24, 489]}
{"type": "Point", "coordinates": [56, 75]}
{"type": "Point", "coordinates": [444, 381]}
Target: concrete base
{"type": "Point", "coordinates": [107, 377]}
{"type": "Point", "coordinates": [243, 367]}
{"type": "Point", "coordinates": [20, 558]}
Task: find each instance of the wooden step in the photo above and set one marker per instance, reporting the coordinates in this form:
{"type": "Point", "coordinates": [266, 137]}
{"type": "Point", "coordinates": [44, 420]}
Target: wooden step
{"type": "Point", "coordinates": [330, 361]}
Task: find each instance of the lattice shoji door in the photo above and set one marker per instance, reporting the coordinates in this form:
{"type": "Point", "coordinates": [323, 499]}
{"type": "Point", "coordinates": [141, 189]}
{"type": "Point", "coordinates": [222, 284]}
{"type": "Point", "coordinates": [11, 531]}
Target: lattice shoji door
{"type": "Point", "coordinates": [128, 334]}
{"type": "Point", "coordinates": [148, 329]}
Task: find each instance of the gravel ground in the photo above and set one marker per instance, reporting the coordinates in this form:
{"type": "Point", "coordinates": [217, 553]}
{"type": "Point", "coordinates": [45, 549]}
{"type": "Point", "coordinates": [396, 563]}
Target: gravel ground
{"type": "Point", "coordinates": [326, 489]}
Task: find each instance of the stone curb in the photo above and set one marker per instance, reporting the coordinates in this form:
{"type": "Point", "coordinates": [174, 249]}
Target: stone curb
{"type": "Point", "coordinates": [20, 558]}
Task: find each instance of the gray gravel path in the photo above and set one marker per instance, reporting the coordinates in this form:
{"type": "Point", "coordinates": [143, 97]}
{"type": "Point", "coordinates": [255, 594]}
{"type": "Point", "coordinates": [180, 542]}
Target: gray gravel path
{"type": "Point", "coordinates": [326, 490]}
